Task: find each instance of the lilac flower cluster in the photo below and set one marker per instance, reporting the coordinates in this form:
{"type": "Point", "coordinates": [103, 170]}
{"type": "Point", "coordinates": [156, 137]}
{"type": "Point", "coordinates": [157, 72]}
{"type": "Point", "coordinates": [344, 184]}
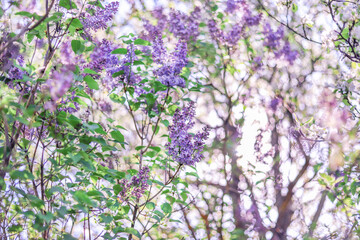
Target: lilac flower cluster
{"type": "Point", "coordinates": [69, 100]}
{"type": "Point", "coordinates": [233, 5]}
{"type": "Point", "coordinates": [274, 103]}
{"type": "Point", "coordinates": [126, 65]}
{"type": "Point", "coordinates": [184, 26]}
{"type": "Point", "coordinates": [185, 148]}
{"type": "Point", "coordinates": [100, 17]}
{"type": "Point", "coordinates": [250, 19]}
{"type": "Point", "coordinates": [287, 53]}
{"type": "Point", "coordinates": [102, 59]}
{"type": "Point", "coordinates": [59, 83]}
{"type": "Point", "coordinates": [11, 52]}
{"type": "Point", "coordinates": [231, 38]}
{"type": "Point", "coordinates": [168, 74]}
{"type": "Point", "coordinates": [272, 39]}
{"type": "Point", "coordinates": [105, 107]}
{"type": "Point", "coordinates": [15, 72]}
{"type": "Point", "coordinates": [156, 30]}
{"type": "Point", "coordinates": [136, 186]}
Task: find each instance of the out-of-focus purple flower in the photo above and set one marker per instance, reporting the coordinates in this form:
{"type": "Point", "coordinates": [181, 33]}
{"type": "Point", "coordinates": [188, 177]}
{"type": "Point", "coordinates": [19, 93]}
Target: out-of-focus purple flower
{"type": "Point", "coordinates": [155, 30]}
{"type": "Point", "coordinates": [274, 103]}
{"type": "Point", "coordinates": [184, 26]}
{"type": "Point", "coordinates": [231, 38]}
{"type": "Point", "coordinates": [234, 35]}
{"type": "Point", "coordinates": [105, 107]}
{"type": "Point", "coordinates": [215, 33]}
{"type": "Point", "coordinates": [136, 186]}
{"type": "Point", "coordinates": [185, 148]}
{"type": "Point", "coordinates": [287, 53]}
{"type": "Point", "coordinates": [67, 55]}
{"type": "Point", "coordinates": [10, 53]}
{"type": "Point", "coordinates": [250, 19]}
{"type": "Point", "coordinates": [100, 17]}
{"type": "Point", "coordinates": [16, 73]}
{"type": "Point", "coordinates": [233, 5]}
{"type": "Point", "coordinates": [58, 84]}
{"type": "Point", "coordinates": [257, 63]}
{"type": "Point", "coordinates": [65, 101]}
{"type": "Point", "coordinates": [272, 39]}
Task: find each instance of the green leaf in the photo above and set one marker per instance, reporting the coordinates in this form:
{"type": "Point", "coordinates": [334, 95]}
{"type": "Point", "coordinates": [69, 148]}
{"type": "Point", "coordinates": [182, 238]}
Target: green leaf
{"type": "Point", "coordinates": [353, 187]}
{"type": "Point", "coordinates": [165, 122]}
{"type": "Point", "coordinates": [132, 231]}
{"type": "Point", "coordinates": [119, 51]}
{"type": "Point", "coordinates": [294, 7]}
{"type": "Point", "coordinates": [83, 198]}
{"type": "Point", "coordinates": [150, 205]}
{"type": "Point", "coordinates": [345, 33]}
{"type": "Point", "coordinates": [142, 42]}
{"type": "Point", "coordinates": [119, 73]}
{"type": "Point", "coordinates": [166, 207]}
{"type": "Point", "coordinates": [68, 4]}
{"type": "Point", "coordinates": [76, 23]}
{"type": "Point", "coordinates": [68, 237]}
{"type": "Point", "coordinates": [90, 71]}
{"type": "Point", "coordinates": [192, 174]}
{"type": "Point", "coordinates": [117, 136]}
{"type": "Point", "coordinates": [25, 14]}
{"type": "Point", "coordinates": [77, 47]}
{"type": "Point", "coordinates": [92, 84]}
{"type": "Point", "coordinates": [22, 175]}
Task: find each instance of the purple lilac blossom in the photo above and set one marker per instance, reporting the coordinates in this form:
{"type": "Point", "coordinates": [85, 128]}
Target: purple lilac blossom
{"type": "Point", "coordinates": [231, 38]}
{"type": "Point", "coordinates": [215, 33]}
{"type": "Point", "coordinates": [15, 72]}
{"type": "Point", "coordinates": [168, 74]}
{"type": "Point", "coordinates": [287, 53]}
{"type": "Point", "coordinates": [184, 26]}
{"type": "Point", "coordinates": [249, 19]}
{"type": "Point", "coordinates": [10, 53]}
{"type": "Point", "coordinates": [234, 35]}
{"type": "Point", "coordinates": [136, 186]}
{"type": "Point", "coordinates": [65, 101]}
{"type": "Point", "coordinates": [155, 30]}
{"type": "Point", "coordinates": [100, 17]}
{"type": "Point", "coordinates": [185, 148]}
{"type": "Point", "coordinates": [105, 107]}
{"type": "Point", "coordinates": [274, 103]}
{"type": "Point", "coordinates": [58, 84]}
{"type": "Point", "coordinates": [126, 65]}
{"type": "Point", "coordinates": [233, 5]}
{"type": "Point", "coordinates": [257, 63]}
{"type": "Point", "coordinates": [272, 39]}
